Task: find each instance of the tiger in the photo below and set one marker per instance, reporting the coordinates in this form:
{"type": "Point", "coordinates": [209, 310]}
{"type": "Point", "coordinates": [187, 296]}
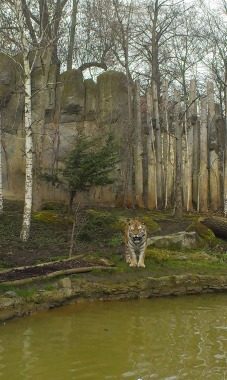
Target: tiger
{"type": "Point", "coordinates": [135, 243]}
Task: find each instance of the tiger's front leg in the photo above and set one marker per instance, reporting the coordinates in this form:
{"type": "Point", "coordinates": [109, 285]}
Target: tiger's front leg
{"type": "Point", "coordinates": [141, 259]}
{"type": "Point", "coordinates": [130, 257]}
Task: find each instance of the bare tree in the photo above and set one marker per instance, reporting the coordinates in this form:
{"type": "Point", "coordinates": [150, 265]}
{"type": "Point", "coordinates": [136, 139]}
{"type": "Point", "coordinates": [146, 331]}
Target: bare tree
{"type": "Point", "coordinates": [159, 27]}
{"type": "Point", "coordinates": [122, 36]}
{"type": "Point", "coordinates": [72, 34]}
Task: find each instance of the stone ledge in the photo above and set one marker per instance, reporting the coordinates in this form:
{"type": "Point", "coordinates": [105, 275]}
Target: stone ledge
{"type": "Point", "coordinates": [73, 290]}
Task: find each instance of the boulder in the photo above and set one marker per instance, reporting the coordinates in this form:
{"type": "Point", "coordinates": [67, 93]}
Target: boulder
{"type": "Point", "coordinates": [178, 240]}
{"type": "Point", "coordinates": [202, 230]}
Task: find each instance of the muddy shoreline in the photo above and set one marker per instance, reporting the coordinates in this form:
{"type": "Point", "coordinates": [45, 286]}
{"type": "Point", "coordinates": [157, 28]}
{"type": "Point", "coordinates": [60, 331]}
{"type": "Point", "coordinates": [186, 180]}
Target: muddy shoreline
{"type": "Point", "coordinates": [71, 290]}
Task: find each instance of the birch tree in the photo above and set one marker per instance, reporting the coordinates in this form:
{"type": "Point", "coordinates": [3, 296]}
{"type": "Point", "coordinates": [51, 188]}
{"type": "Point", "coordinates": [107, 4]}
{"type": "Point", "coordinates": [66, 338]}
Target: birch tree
{"type": "Point", "coordinates": [34, 33]}
{"type": "Point", "coordinates": [25, 231]}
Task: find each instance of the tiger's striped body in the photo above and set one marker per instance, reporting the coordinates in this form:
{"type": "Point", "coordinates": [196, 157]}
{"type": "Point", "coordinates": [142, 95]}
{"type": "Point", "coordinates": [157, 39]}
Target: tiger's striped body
{"type": "Point", "coordinates": [135, 243]}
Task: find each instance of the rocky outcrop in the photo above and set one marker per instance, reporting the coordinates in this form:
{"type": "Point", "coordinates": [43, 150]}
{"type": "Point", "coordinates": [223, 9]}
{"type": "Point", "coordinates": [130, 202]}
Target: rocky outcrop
{"type": "Point", "coordinates": [72, 101]}
{"type": "Point", "coordinates": [72, 106]}
{"type": "Point", "coordinates": [179, 240]}
{"type": "Point", "coordinates": [112, 98]}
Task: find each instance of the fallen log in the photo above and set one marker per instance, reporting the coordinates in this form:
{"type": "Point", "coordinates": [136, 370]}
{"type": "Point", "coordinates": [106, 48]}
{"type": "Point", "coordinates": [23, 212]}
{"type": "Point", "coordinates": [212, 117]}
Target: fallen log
{"type": "Point", "coordinates": [51, 275]}
{"type": "Point", "coordinates": [217, 224]}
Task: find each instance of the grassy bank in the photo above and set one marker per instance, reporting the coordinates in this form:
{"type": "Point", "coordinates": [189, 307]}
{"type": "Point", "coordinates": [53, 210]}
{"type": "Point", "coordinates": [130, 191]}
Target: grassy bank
{"type": "Point", "coordinates": [169, 271]}
{"type": "Point", "coordinates": [100, 236]}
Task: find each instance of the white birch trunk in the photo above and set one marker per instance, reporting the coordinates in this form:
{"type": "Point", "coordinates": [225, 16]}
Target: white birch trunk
{"type": "Point", "coordinates": [138, 150]}
{"type": "Point", "coordinates": [1, 180]}
{"type": "Point", "coordinates": [203, 172]}
{"type": "Point", "coordinates": [25, 231]}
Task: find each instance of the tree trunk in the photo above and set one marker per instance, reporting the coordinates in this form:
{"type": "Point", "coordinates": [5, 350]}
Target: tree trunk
{"type": "Point", "coordinates": [72, 34]}
{"type": "Point", "coordinates": [166, 142]}
{"type": "Point", "coordinates": [203, 172]}
{"type": "Point", "coordinates": [172, 170]}
{"type": "Point", "coordinates": [138, 149]}
{"type": "Point", "coordinates": [155, 81]}
{"type": "Point", "coordinates": [218, 225]}
{"type": "Point", "coordinates": [225, 145]}
{"type": "Point", "coordinates": [158, 146]}
{"type": "Point", "coordinates": [72, 195]}
{"type": "Point", "coordinates": [25, 231]}
{"type": "Point", "coordinates": [1, 183]}
{"type": "Point", "coordinates": [151, 156]}
{"type": "Point", "coordinates": [214, 175]}
{"type": "Point", "coordinates": [178, 135]}
{"type": "Point", "coordinates": [188, 162]}
{"type": "Point", "coordinates": [195, 141]}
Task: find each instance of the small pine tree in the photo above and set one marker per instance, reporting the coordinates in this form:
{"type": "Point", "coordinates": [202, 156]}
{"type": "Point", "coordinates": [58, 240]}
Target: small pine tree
{"type": "Point", "coordinates": [87, 165]}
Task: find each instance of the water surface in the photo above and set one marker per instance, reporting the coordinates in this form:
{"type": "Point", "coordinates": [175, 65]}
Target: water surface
{"type": "Point", "coordinates": [169, 338]}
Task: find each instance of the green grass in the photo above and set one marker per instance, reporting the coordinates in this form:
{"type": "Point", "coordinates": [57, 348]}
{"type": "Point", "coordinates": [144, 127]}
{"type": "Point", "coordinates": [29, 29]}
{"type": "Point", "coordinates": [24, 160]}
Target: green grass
{"type": "Point", "coordinates": [23, 291]}
{"type": "Point", "coordinates": [100, 236]}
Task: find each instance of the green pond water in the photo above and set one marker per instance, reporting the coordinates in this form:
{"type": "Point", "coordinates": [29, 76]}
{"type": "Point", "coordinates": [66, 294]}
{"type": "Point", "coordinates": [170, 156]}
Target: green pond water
{"type": "Point", "coordinates": [169, 338]}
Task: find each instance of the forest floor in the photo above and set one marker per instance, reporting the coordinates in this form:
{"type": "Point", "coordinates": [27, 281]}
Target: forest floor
{"type": "Point", "coordinates": [98, 242]}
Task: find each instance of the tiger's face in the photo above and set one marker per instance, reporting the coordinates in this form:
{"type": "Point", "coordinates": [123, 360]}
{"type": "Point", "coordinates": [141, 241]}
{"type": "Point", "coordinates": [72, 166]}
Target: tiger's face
{"type": "Point", "coordinates": [136, 230]}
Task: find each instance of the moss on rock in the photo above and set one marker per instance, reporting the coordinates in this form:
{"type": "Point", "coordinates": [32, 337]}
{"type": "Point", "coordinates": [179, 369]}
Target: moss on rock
{"type": "Point", "coordinates": [204, 232]}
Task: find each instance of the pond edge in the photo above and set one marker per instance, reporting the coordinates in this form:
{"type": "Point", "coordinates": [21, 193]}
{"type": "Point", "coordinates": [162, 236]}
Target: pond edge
{"type": "Point", "coordinates": [70, 290]}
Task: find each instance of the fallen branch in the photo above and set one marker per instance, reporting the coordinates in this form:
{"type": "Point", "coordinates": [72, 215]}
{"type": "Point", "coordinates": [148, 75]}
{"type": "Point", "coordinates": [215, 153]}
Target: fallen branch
{"type": "Point", "coordinates": [53, 274]}
{"type": "Point", "coordinates": [42, 264]}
